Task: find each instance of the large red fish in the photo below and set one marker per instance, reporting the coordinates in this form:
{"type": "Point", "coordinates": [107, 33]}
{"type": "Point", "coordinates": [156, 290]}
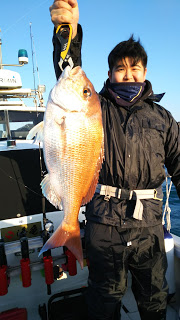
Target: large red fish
{"type": "Point", "coordinates": [73, 145]}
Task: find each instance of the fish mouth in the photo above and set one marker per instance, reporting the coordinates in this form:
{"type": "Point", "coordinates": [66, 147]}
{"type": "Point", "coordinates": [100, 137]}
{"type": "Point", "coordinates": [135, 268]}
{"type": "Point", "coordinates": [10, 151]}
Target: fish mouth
{"type": "Point", "coordinates": [59, 96]}
{"type": "Point", "coordinates": [69, 72]}
{"type": "Point", "coordinates": [66, 72]}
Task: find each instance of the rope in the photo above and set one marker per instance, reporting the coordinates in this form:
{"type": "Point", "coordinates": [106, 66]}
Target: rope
{"type": "Point", "coordinates": [167, 209]}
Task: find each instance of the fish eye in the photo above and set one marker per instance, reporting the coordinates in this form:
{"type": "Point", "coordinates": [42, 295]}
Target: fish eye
{"type": "Point", "coordinates": [86, 92]}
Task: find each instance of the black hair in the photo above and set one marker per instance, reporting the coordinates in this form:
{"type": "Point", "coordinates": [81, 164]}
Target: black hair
{"type": "Point", "coordinates": [131, 49]}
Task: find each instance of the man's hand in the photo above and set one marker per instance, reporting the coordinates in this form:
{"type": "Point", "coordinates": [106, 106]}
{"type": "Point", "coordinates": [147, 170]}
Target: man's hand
{"type": "Point", "coordinates": [65, 11]}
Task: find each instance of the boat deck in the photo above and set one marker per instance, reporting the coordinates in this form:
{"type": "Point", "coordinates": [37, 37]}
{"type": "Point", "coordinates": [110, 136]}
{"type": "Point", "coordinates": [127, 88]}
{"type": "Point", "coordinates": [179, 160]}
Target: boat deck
{"type": "Point", "coordinates": [129, 309]}
{"type": "Point", "coordinates": [30, 298]}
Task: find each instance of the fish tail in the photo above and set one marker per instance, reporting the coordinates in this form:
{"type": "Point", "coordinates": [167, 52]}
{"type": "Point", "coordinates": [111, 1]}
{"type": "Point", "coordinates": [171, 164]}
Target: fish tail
{"type": "Point", "coordinates": [68, 236]}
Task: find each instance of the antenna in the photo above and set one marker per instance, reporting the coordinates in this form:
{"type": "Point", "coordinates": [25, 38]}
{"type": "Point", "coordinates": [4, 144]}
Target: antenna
{"type": "Point", "coordinates": [41, 88]}
{"type": "Point", "coordinates": [33, 57]}
{"type": "Point", "coordinates": [0, 52]}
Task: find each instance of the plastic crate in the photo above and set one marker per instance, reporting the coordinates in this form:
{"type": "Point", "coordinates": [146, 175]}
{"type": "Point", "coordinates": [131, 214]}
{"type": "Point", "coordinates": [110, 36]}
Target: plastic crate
{"type": "Point", "coordinates": [68, 305]}
{"type": "Point", "coordinates": [14, 314]}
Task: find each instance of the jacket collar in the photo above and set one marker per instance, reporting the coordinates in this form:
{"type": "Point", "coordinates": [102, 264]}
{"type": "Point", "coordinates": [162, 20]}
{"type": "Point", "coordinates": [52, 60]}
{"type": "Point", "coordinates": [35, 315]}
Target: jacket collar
{"type": "Point", "coordinates": [146, 95]}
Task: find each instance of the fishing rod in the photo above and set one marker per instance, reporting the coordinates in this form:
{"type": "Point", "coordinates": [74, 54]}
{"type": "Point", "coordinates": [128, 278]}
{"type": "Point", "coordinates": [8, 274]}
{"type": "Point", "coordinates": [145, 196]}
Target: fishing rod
{"type": "Point", "coordinates": [47, 224]}
{"type": "Point", "coordinates": [32, 53]}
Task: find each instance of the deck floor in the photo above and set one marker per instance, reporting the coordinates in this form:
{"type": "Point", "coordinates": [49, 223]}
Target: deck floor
{"type": "Point", "coordinates": [130, 310]}
{"type": "Point", "coordinates": [35, 295]}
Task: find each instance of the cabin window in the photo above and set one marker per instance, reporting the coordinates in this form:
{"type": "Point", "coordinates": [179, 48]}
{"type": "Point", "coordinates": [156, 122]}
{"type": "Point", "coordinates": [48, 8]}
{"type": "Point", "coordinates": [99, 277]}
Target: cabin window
{"type": "Point", "coordinates": [19, 123]}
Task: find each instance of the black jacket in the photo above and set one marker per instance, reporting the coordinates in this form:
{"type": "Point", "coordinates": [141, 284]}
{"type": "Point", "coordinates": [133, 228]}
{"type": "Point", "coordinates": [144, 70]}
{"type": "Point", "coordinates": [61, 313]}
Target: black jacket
{"type": "Point", "coordinates": [139, 142]}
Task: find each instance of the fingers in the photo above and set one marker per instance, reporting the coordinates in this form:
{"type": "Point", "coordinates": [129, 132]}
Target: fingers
{"type": "Point", "coordinates": [61, 12]}
{"type": "Point", "coordinates": [66, 4]}
{"type": "Point", "coordinates": [73, 3]}
{"type": "Point", "coordinates": [65, 11]}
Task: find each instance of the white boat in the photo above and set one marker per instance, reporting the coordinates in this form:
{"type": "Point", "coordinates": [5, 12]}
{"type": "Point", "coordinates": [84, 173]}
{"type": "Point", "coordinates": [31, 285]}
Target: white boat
{"type": "Point", "coordinates": [30, 285]}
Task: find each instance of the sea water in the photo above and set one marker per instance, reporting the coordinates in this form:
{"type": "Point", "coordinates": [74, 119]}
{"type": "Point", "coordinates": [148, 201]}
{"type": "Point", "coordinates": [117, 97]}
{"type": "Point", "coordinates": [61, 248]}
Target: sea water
{"type": "Point", "coordinates": [174, 204]}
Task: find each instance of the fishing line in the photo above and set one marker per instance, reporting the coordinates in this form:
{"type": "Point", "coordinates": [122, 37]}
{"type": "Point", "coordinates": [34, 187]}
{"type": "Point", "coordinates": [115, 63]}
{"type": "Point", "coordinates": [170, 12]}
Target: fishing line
{"type": "Point", "coordinates": [25, 15]}
{"type": "Point", "coordinates": [19, 182]}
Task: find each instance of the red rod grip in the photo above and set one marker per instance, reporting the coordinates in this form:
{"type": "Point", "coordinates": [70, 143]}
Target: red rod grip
{"type": "Point", "coordinates": [48, 269]}
{"type": "Point", "coordinates": [25, 272]}
{"type": "Point", "coordinates": [72, 268]}
{"type": "Point", "coordinates": [3, 280]}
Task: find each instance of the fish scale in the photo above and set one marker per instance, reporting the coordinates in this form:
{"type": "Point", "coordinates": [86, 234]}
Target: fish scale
{"type": "Point", "coordinates": [73, 147]}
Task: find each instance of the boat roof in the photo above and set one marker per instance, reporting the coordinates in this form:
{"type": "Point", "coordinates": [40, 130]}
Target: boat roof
{"type": "Point", "coordinates": [20, 107]}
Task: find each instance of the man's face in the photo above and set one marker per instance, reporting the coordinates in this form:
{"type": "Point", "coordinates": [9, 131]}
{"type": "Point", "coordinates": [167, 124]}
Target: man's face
{"type": "Point", "coordinates": [126, 71]}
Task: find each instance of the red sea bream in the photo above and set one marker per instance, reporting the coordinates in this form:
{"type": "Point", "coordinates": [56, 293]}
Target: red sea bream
{"type": "Point", "coordinates": [73, 146]}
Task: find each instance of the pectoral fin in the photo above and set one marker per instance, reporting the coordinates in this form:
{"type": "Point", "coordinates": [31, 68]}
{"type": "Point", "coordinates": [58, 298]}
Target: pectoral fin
{"type": "Point", "coordinates": [36, 132]}
{"type": "Point", "coordinates": [49, 192]}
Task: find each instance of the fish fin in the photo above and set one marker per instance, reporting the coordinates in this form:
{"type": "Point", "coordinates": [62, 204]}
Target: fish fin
{"type": "Point", "coordinates": [93, 185]}
{"type": "Point", "coordinates": [37, 132]}
{"type": "Point", "coordinates": [60, 121]}
{"type": "Point", "coordinates": [66, 235]}
{"type": "Point", "coordinates": [49, 192]}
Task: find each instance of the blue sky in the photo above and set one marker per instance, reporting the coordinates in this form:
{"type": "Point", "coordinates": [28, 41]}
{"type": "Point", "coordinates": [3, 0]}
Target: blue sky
{"type": "Point", "coordinates": [105, 23]}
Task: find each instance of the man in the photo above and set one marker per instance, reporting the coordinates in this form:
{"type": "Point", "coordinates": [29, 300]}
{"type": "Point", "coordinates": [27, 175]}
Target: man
{"type": "Point", "coordinates": [124, 219]}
